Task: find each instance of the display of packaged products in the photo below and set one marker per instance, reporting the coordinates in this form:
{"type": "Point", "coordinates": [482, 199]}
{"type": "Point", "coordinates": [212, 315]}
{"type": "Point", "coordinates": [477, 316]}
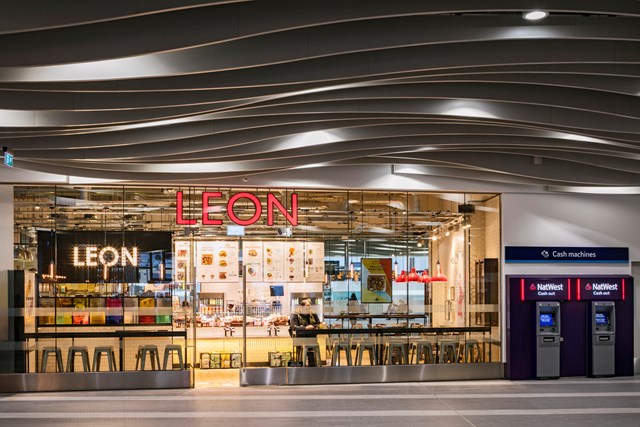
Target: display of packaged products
{"type": "Point", "coordinates": [215, 360]}
{"type": "Point", "coordinates": [220, 360]}
{"type": "Point", "coordinates": [236, 360]}
{"type": "Point", "coordinates": [114, 305]}
{"type": "Point", "coordinates": [205, 361]}
{"type": "Point", "coordinates": [147, 318]}
{"type": "Point", "coordinates": [279, 358]}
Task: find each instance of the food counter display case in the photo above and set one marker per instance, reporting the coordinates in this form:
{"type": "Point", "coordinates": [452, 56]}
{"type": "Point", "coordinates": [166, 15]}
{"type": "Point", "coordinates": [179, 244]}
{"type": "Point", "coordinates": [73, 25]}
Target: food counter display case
{"type": "Point", "coordinates": [84, 304]}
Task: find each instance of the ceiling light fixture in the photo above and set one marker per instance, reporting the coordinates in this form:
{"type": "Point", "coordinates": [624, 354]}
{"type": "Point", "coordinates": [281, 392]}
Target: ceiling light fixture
{"type": "Point", "coordinates": [535, 15]}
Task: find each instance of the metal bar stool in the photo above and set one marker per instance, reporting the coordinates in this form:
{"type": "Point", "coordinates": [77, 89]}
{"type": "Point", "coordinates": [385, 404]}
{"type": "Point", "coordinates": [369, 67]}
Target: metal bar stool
{"type": "Point", "coordinates": [390, 350]}
{"type": "Point", "coordinates": [313, 350]}
{"type": "Point", "coordinates": [168, 351]}
{"type": "Point", "coordinates": [152, 351]}
{"type": "Point", "coordinates": [472, 351]}
{"type": "Point", "coordinates": [57, 353]}
{"type": "Point", "coordinates": [369, 346]}
{"type": "Point", "coordinates": [421, 349]}
{"type": "Point", "coordinates": [448, 352]}
{"type": "Point", "coordinates": [98, 352]}
{"type": "Point", "coordinates": [335, 353]}
{"type": "Point", "coordinates": [82, 351]}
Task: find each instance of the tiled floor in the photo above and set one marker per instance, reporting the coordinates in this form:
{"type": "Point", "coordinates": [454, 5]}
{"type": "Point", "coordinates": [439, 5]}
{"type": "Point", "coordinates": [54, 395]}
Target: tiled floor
{"type": "Point", "coordinates": [566, 402]}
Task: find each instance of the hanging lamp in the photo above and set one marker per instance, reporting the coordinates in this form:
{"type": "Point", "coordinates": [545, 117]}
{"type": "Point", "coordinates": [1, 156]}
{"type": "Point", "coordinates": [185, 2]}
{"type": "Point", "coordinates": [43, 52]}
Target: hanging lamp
{"type": "Point", "coordinates": [439, 276]}
{"type": "Point", "coordinates": [425, 278]}
{"type": "Point", "coordinates": [413, 276]}
{"type": "Point", "coordinates": [402, 277]}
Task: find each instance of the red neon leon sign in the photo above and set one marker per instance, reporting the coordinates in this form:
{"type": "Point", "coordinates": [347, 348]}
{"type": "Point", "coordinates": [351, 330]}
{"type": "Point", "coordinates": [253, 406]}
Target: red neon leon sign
{"type": "Point", "coordinates": [273, 204]}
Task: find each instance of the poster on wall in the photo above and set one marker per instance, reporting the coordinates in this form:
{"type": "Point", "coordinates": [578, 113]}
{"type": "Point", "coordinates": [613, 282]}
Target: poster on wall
{"type": "Point", "coordinates": [182, 271]}
{"type": "Point", "coordinates": [252, 258]}
{"type": "Point", "coordinates": [205, 269]}
{"type": "Point", "coordinates": [293, 261]}
{"type": "Point", "coordinates": [217, 261]}
{"type": "Point", "coordinates": [315, 261]}
{"type": "Point", "coordinates": [273, 257]}
{"type": "Point", "coordinates": [376, 280]}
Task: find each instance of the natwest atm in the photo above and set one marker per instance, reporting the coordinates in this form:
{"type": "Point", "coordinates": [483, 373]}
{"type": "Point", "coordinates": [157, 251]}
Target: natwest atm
{"type": "Point", "coordinates": [610, 324]}
{"type": "Point", "coordinates": [595, 336]}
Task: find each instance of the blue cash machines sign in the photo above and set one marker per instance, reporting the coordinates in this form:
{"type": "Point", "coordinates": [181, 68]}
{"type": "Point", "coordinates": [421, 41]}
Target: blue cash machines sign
{"type": "Point", "coordinates": [544, 254]}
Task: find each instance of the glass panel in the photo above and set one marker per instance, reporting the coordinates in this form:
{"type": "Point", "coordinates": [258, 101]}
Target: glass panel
{"type": "Point", "coordinates": [383, 271]}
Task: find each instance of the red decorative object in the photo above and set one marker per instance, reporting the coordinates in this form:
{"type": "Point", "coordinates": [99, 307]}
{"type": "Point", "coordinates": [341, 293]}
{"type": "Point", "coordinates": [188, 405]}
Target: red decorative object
{"type": "Point", "coordinates": [425, 278]}
{"type": "Point", "coordinates": [439, 276]}
{"type": "Point", "coordinates": [402, 277]}
{"type": "Point", "coordinates": [413, 276]}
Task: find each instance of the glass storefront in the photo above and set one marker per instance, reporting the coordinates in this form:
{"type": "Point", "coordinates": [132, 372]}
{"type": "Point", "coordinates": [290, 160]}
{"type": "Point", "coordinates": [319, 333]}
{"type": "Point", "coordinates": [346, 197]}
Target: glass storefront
{"type": "Point", "coordinates": [203, 280]}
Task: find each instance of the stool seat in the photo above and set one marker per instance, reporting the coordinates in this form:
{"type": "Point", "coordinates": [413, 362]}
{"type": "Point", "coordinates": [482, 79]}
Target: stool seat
{"type": "Point", "coordinates": [74, 351]}
{"type": "Point", "coordinates": [421, 350]}
{"type": "Point", "coordinates": [335, 352]}
{"type": "Point", "coordinates": [98, 352]}
{"type": "Point", "coordinates": [168, 351]}
{"type": "Point", "coordinates": [448, 353]}
{"type": "Point", "coordinates": [472, 351]}
{"type": "Point", "coordinates": [57, 353]}
{"type": "Point", "coordinates": [152, 352]}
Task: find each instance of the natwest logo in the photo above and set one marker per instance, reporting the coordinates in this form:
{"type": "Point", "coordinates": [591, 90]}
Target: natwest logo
{"type": "Point", "coordinates": [588, 287]}
{"type": "Point", "coordinates": [605, 286]}
{"type": "Point", "coordinates": [550, 287]}
{"type": "Point", "coordinates": [532, 287]}
{"type": "Point", "coordinates": [249, 201]}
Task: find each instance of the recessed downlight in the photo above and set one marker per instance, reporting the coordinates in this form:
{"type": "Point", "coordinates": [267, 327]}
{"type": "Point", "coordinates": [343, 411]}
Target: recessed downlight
{"type": "Point", "coordinates": [535, 15]}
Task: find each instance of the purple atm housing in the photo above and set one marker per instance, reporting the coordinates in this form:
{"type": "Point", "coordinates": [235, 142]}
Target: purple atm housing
{"type": "Point", "coordinates": [574, 293]}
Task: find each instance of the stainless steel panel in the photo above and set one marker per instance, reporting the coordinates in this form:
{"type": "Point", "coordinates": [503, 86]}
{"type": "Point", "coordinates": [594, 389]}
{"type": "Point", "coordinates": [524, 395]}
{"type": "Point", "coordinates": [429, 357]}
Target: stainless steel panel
{"type": "Point", "coordinates": [263, 376]}
{"type": "Point", "coordinates": [371, 374]}
{"type": "Point", "coordinates": [17, 383]}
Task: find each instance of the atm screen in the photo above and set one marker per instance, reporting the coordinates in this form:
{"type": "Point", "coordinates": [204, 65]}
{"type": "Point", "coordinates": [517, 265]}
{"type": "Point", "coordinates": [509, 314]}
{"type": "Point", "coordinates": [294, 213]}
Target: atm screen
{"type": "Point", "coordinates": [602, 319]}
{"type": "Point", "coordinates": [547, 319]}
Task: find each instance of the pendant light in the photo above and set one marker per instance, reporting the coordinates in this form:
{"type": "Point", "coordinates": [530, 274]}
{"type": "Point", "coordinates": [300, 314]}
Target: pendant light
{"type": "Point", "coordinates": [439, 276]}
{"type": "Point", "coordinates": [413, 276]}
{"type": "Point", "coordinates": [402, 277]}
{"type": "Point", "coordinates": [425, 278]}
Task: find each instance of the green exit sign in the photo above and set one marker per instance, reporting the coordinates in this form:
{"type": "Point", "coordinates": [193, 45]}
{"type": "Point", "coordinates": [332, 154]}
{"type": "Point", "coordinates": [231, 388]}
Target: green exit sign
{"type": "Point", "coordinates": [8, 159]}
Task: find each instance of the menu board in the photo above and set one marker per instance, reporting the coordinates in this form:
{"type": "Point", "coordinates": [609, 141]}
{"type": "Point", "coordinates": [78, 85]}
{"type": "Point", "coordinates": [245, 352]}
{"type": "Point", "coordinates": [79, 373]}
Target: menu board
{"type": "Point", "coordinates": [293, 261]}
{"type": "Point", "coordinates": [217, 261]}
{"type": "Point", "coordinates": [315, 261]}
{"type": "Point", "coordinates": [273, 257]}
{"type": "Point", "coordinates": [182, 271]}
{"type": "Point", "coordinates": [252, 258]}
{"type": "Point", "coordinates": [376, 280]}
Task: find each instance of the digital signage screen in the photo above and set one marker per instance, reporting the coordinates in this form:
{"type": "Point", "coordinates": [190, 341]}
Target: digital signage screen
{"type": "Point", "coordinates": [547, 320]}
{"type": "Point", "coordinates": [277, 291]}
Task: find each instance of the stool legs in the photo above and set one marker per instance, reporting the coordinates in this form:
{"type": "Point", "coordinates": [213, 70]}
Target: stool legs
{"type": "Point", "coordinates": [419, 350]}
{"type": "Point", "coordinates": [168, 352]}
{"type": "Point", "coordinates": [373, 355]}
{"type": "Point", "coordinates": [391, 349]}
{"type": "Point", "coordinates": [57, 353]}
{"type": "Point", "coordinates": [335, 357]}
{"type": "Point", "coordinates": [97, 357]}
{"type": "Point", "coordinates": [152, 351]}
{"type": "Point", "coordinates": [73, 351]}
